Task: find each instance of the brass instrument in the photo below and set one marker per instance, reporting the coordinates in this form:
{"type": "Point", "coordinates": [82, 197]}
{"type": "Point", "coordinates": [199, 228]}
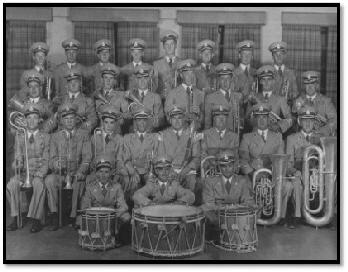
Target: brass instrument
{"type": "Point", "coordinates": [265, 189]}
{"type": "Point", "coordinates": [135, 100]}
{"type": "Point", "coordinates": [327, 174]}
{"type": "Point", "coordinates": [48, 88]}
{"type": "Point", "coordinates": [273, 117]}
{"type": "Point", "coordinates": [212, 171]}
{"type": "Point", "coordinates": [16, 103]}
{"type": "Point", "coordinates": [286, 89]}
{"type": "Point", "coordinates": [68, 177]}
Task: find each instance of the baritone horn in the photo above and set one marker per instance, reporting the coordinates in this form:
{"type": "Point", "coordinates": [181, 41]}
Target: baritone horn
{"type": "Point", "coordinates": [327, 174]}
{"type": "Point", "coordinates": [265, 189]}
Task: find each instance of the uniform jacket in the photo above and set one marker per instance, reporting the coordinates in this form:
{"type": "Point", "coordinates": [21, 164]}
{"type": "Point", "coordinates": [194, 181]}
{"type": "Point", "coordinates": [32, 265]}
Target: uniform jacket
{"type": "Point", "coordinates": [241, 82]}
{"type": "Point", "coordinates": [173, 192]}
{"type": "Point", "coordinates": [175, 148]}
{"type": "Point", "coordinates": [280, 83]}
{"type": "Point", "coordinates": [40, 148]}
{"type": "Point", "coordinates": [178, 96]}
{"type": "Point", "coordinates": [252, 147]}
{"type": "Point", "coordinates": [127, 78]}
{"type": "Point", "coordinates": [324, 107]}
{"type": "Point", "coordinates": [205, 79]}
{"type": "Point", "coordinates": [114, 197]}
{"type": "Point", "coordinates": [116, 98]}
{"type": "Point", "coordinates": [164, 76]}
{"type": "Point", "coordinates": [218, 98]}
{"type": "Point", "coordinates": [80, 150]}
{"type": "Point", "coordinates": [295, 145]}
{"type": "Point", "coordinates": [93, 75]}
{"type": "Point", "coordinates": [138, 154]}
{"type": "Point", "coordinates": [60, 83]}
{"type": "Point", "coordinates": [214, 192]}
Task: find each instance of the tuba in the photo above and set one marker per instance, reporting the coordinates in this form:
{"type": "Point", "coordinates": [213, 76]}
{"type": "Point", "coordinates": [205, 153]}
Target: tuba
{"type": "Point", "coordinates": [327, 174]}
{"type": "Point", "coordinates": [16, 103]}
{"type": "Point", "coordinates": [265, 189]}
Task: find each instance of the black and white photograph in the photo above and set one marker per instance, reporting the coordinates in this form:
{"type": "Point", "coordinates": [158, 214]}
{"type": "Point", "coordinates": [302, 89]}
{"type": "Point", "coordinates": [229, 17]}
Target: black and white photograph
{"type": "Point", "coordinates": [171, 133]}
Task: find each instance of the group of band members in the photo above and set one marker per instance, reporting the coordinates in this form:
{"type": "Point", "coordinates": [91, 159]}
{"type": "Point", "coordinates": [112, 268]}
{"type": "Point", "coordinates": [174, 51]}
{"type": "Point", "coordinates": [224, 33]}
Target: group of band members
{"type": "Point", "coordinates": [150, 150]}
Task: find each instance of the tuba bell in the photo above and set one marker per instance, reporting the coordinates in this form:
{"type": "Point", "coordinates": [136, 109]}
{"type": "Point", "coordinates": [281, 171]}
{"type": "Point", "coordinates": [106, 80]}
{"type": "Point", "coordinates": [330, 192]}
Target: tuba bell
{"type": "Point", "coordinates": [16, 103]}
{"type": "Point", "coordinates": [327, 174]}
{"type": "Point", "coordinates": [265, 189]}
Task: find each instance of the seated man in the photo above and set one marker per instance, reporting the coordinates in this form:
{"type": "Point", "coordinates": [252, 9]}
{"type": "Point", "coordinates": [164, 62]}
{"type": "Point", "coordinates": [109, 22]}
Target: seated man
{"type": "Point", "coordinates": [228, 188]}
{"type": "Point", "coordinates": [38, 155]}
{"type": "Point", "coordinates": [164, 189]}
{"type": "Point", "coordinates": [103, 192]}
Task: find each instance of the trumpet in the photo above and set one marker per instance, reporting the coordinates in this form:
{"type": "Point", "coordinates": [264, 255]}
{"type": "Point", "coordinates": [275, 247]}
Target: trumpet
{"type": "Point", "coordinates": [27, 184]}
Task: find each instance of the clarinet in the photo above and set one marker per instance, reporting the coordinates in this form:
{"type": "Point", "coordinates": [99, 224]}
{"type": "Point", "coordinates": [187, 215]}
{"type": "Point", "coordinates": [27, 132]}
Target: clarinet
{"type": "Point", "coordinates": [48, 88]}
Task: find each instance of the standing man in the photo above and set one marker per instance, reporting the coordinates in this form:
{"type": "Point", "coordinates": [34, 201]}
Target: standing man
{"type": "Point", "coordinates": [205, 72]}
{"type": "Point", "coordinates": [179, 143]}
{"type": "Point", "coordinates": [277, 103]}
{"type": "Point", "coordinates": [165, 67]}
{"type": "Point", "coordinates": [71, 47]}
{"type": "Point", "coordinates": [225, 95]}
{"type": "Point", "coordinates": [285, 79]}
{"type": "Point", "coordinates": [39, 51]}
{"type": "Point", "coordinates": [326, 113]}
{"type": "Point", "coordinates": [102, 48]}
{"type": "Point", "coordinates": [70, 154]}
{"type": "Point", "coordinates": [38, 156]}
{"type": "Point", "coordinates": [186, 94]}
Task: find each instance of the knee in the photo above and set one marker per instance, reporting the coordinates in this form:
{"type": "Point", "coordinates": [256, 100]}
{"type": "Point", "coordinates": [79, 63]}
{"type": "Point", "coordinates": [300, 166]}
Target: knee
{"type": "Point", "coordinates": [50, 180]}
{"type": "Point", "coordinates": [288, 187]}
{"type": "Point", "coordinates": [13, 183]}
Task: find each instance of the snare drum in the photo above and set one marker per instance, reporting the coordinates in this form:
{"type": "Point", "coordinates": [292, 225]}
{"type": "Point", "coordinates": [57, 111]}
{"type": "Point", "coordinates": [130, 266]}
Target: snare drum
{"type": "Point", "coordinates": [168, 230]}
{"type": "Point", "coordinates": [98, 228]}
{"type": "Point", "coordinates": [237, 224]}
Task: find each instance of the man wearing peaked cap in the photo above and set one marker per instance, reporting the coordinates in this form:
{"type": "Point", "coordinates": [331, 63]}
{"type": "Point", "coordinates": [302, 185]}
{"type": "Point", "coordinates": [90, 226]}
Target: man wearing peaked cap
{"type": "Point", "coordinates": [70, 47]}
{"type": "Point", "coordinates": [164, 189]}
{"type": "Point", "coordinates": [103, 192]}
{"type": "Point", "coordinates": [165, 74]}
{"type": "Point", "coordinates": [224, 95]}
{"type": "Point", "coordinates": [244, 74]}
{"type": "Point", "coordinates": [227, 188]}
{"type": "Point", "coordinates": [277, 103]}
{"type": "Point", "coordinates": [326, 112]}
{"type": "Point", "coordinates": [94, 73]}
{"type": "Point", "coordinates": [187, 94]}
{"type": "Point", "coordinates": [285, 79]}
{"type": "Point", "coordinates": [205, 72]}
{"type": "Point", "coordinates": [39, 52]}
{"type": "Point", "coordinates": [137, 49]}
{"type": "Point", "coordinates": [36, 147]}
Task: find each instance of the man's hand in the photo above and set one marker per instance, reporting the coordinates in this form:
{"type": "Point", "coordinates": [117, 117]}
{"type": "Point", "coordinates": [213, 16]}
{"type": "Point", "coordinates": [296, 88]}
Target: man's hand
{"type": "Point", "coordinates": [35, 163]}
{"type": "Point", "coordinates": [57, 165]}
{"type": "Point", "coordinates": [274, 127]}
{"type": "Point", "coordinates": [124, 172]}
{"type": "Point", "coordinates": [80, 177]}
{"type": "Point", "coordinates": [183, 173]}
{"type": "Point", "coordinates": [134, 179]}
{"type": "Point", "coordinates": [132, 171]}
{"type": "Point", "coordinates": [290, 171]}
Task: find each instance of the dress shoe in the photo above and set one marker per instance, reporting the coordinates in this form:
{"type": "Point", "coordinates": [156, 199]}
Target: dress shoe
{"type": "Point", "coordinates": [283, 222]}
{"type": "Point", "coordinates": [77, 227]}
{"type": "Point", "coordinates": [36, 226]}
{"type": "Point", "coordinates": [13, 226]}
{"type": "Point", "coordinates": [55, 222]}
{"type": "Point", "coordinates": [333, 223]}
{"type": "Point", "coordinates": [294, 223]}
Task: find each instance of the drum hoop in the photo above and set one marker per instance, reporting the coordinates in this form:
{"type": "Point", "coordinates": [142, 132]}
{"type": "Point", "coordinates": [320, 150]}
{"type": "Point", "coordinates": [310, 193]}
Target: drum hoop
{"type": "Point", "coordinates": [101, 216]}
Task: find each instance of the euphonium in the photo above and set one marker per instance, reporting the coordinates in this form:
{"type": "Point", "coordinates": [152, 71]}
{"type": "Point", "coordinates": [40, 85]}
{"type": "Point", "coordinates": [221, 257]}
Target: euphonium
{"type": "Point", "coordinates": [212, 171]}
{"type": "Point", "coordinates": [135, 100]}
{"type": "Point", "coordinates": [265, 189]}
{"type": "Point", "coordinates": [327, 174]}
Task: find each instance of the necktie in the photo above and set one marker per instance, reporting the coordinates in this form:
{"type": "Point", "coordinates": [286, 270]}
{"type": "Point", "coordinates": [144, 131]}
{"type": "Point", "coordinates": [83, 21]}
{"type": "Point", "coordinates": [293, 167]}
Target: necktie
{"type": "Point", "coordinates": [107, 139]}
{"type": "Point", "coordinates": [207, 68]}
{"type": "Point", "coordinates": [311, 101]}
{"type": "Point", "coordinates": [220, 132]}
{"type": "Point", "coordinates": [69, 134]}
{"type": "Point", "coordinates": [72, 98]}
{"type": "Point", "coordinates": [31, 138]}
{"type": "Point", "coordinates": [41, 71]}
{"type": "Point", "coordinates": [137, 64]}
{"type": "Point", "coordinates": [188, 91]}
{"type": "Point", "coordinates": [107, 95]}
{"type": "Point", "coordinates": [104, 191]}
{"type": "Point", "coordinates": [177, 135]}
{"type": "Point", "coordinates": [142, 95]}
{"type": "Point", "coordinates": [32, 101]}
{"type": "Point", "coordinates": [307, 138]}
{"type": "Point", "coordinates": [141, 137]}
{"type": "Point", "coordinates": [264, 136]}
{"type": "Point", "coordinates": [266, 96]}
{"type": "Point", "coordinates": [228, 186]}
{"type": "Point", "coordinates": [170, 62]}
{"type": "Point", "coordinates": [163, 187]}
{"type": "Point", "coordinates": [246, 72]}
{"type": "Point", "coordinates": [227, 95]}
{"type": "Point", "coordinates": [280, 72]}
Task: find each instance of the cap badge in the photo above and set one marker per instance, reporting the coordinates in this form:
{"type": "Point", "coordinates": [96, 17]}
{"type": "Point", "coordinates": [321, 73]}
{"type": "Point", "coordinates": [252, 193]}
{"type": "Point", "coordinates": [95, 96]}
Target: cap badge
{"type": "Point", "coordinates": [31, 108]}
{"type": "Point", "coordinates": [206, 44]}
{"type": "Point", "coordinates": [67, 108]}
{"type": "Point", "coordinates": [278, 46]}
{"type": "Point", "coordinates": [103, 43]}
{"type": "Point", "coordinates": [70, 44]}
{"type": "Point", "coordinates": [226, 157]}
{"type": "Point", "coordinates": [248, 44]}
{"type": "Point", "coordinates": [261, 108]}
{"type": "Point", "coordinates": [188, 64]}
{"type": "Point", "coordinates": [102, 160]}
{"type": "Point", "coordinates": [141, 71]}
{"type": "Point", "coordinates": [220, 108]}
{"type": "Point", "coordinates": [136, 44]}
{"type": "Point", "coordinates": [309, 76]}
{"type": "Point", "coordinates": [308, 112]}
{"type": "Point", "coordinates": [39, 47]}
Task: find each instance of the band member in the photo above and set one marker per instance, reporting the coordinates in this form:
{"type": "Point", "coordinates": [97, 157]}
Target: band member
{"type": "Point", "coordinates": [128, 81]}
{"type": "Point", "coordinates": [102, 48]}
{"type": "Point", "coordinates": [326, 112]}
{"type": "Point", "coordinates": [224, 96]}
{"type": "Point", "coordinates": [244, 75]}
{"type": "Point", "coordinates": [278, 104]}
{"type": "Point", "coordinates": [138, 150]}
{"type": "Point", "coordinates": [205, 72]}
{"type": "Point", "coordinates": [71, 47]}
{"type": "Point", "coordinates": [228, 188]}
{"type": "Point", "coordinates": [39, 51]}
{"type": "Point", "coordinates": [219, 137]}
{"type": "Point", "coordinates": [34, 82]}
{"type": "Point", "coordinates": [180, 143]}
{"type": "Point", "coordinates": [256, 146]}
{"type": "Point", "coordinates": [295, 145]}
{"type": "Point", "coordinates": [188, 95]}
{"type": "Point", "coordinates": [164, 189]}
{"type": "Point", "coordinates": [105, 141]}
{"type": "Point", "coordinates": [150, 100]}
{"type": "Point", "coordinates": [103, 192]}
{"type": "Point", "coordinates": [109, 78]}
{"type": "Point", "coordinates": [70, 156]}
{"type": "Point", "coordinates": [165, 67]}
{"type": "Point", "coordinates": [285, 78]}
{"type": "Point", "coordinates": [37, 150]}
{"type": "Point", "coordinates": [86, 107]}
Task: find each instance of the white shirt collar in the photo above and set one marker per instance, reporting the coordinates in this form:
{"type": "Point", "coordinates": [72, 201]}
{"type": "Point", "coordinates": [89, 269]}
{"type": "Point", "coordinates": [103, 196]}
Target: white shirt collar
{"type": "Point", "coordinates": [185, 86]}
{"type": "Point", "coordinates": [305, 134]}
{"type": "Point", "coordinates": [267, 92]}
{"type": "Point", "coordinates": [204, 65]}
{"type": "Point", "coordinates": [34, 133]}
{"type": "Point", "coordinates": [281, 67]}
{"type": "Point", "coordinates": [179, 131]}
{"type": "Point", "coordinates": [101, 185]}
{"type": "Point", "coordinates": [226, 179]}
{"type": "Point", "coordinates": [145, 92]}
{"type": "Point", "coordinates": [34, 100]}
{"type": "Point", "coordinates": [311, 97]}
{"type": "Point", "coordinates": [223, 132]}
{"type": "Point", "coordinates": [37, 68]}
{"type": "Point", "coordinates": [139, 63]}
{"type": "Point", "coordinates": [71, 64]}
{"type": "Point", "coordinates": [143, 133]}
{"type": "Point", "coordinates": [173, 58]}
{"type": "Point", "coordinates": [224, 92]}
{"type": "Point", "coordinates": [75, 94]}
{"type": "Point", "coordinates": [245, 66]}
{"type": "Point", "coordinates": [265, 131]}
{"type": "Point", "coordinates": [161, 183]}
